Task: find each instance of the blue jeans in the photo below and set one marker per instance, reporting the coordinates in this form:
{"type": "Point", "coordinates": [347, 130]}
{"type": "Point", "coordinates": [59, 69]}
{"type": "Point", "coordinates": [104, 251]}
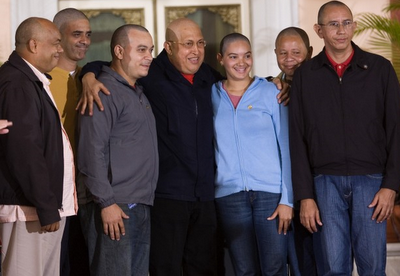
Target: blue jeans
{"type": "Point", "coordinates": [129, 255]}
{"type": "Point", "coordinates": [348, 230]}
{"type": "Point", "coordinates": [254, 245]}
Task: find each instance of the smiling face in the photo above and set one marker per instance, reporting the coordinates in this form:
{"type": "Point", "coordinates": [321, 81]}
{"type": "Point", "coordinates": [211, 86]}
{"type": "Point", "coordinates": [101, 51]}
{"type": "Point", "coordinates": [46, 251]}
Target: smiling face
{"type": "Point", "coordinates": [337, 40]}
{"type": "Point", "coordinates": [290, 53]}
{"type": "Point", "coordinates": [186, 60]}
{"type": "Point", "coordinates": [48, 46]}
{"type": "Point", "coordinates": [134, 55]}
{"type": "Point", "coordinates": [76, 39]}
{"type": "Point", "coordinates": [237, 59]}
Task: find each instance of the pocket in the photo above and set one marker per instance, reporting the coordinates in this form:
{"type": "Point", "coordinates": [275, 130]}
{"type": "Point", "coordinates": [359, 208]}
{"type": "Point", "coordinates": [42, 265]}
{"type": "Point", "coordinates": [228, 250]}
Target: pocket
{"type": "Point", "coordinates": [375, 176]}
{"type": "Point", "coordinates": [317, 176]}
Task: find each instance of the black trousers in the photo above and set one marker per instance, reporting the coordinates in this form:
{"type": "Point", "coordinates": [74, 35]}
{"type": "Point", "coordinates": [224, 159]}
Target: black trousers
{"type": "Point", "coordinates": [74, 260]}
{"type": "Point", "coordinates": [183, 238]}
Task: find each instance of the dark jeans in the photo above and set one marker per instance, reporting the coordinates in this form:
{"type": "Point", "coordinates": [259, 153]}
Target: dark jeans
{"type": "Point", "coordinates": [254, 244]}
{"type": "Point", "coordinates": [129, 255]}
{"type": "Point", "coordinates": [183, 238]}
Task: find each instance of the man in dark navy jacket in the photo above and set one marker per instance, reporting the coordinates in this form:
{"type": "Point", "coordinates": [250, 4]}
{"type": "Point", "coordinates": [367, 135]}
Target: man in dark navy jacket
{"type": "Point", "coordinates": [183, 217]}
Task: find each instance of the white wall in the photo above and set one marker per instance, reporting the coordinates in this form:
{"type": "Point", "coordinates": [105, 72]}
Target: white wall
{"type": "Point", "coordinates": [268, 18]}
{"type": "Point", "coordinates": [264, 20]}
{"type": "Point", "coordinates": [13, 12]}
{"type": "Point", "coordinates": [308, 10]}
{"type": "Point", "coordinates": [5, 30]}
{"type": "Point", "coordinates": [146, 5]}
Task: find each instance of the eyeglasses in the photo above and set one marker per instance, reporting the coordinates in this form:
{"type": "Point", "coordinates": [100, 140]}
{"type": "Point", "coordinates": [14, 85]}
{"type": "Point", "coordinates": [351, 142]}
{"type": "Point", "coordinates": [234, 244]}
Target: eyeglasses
{"type": "Point", "coordinates": [189, 44]}
{"type": "Point", "coordinates": [334, 25]}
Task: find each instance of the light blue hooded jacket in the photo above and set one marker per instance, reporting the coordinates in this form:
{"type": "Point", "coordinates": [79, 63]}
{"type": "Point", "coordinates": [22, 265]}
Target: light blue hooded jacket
{"type": "Point", "coordinates": [252, 142]}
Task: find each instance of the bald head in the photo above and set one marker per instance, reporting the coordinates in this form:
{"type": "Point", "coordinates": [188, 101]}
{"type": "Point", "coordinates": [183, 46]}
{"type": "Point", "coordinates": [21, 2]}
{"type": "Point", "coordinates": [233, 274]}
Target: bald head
{"type": "Point", "coordinates": [65, 16]}
{"type": "Point", "coordinates": [32, 27]}
{"type": "Point", "coordinates": [37, 40]}
{"type": "Point", "coordinates": [294, 31]}
{"type": "Point", "coordinates": [228, 39]}
{"type": "Point", "coordinates": [121, 36]}
{"type": "Point", "coordinates": [292, 48]}
{"type": "Point", "coordinates": [327, 5]}
{"type": "Point", "coordinates": [176, 27]}
{"type": "Point", "coordinates": [131, 50]}
{"type": "Point", "coordinates": [184, 44]}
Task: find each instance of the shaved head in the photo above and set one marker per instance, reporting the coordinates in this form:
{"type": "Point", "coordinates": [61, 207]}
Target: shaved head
{"type": "Point", "coordinates": [64, 17]}
{"type": "Point", "coordinates": [294, 31]}
{"type": "Point", "coordinates": [176, 27]}
{"type": "Point", "coordinates": [330, 4]}
{"type": "Point", "coordinates": [292, 48]}
{"type": "Point", "coordinates": [121, 35]}
{"type": "Point", "coordinates": [37, 40]}
{"type": "Point", "coordinates": [228, 39]}
{"type": "Point", "coordinates": [180, 33]}
{"type": "Point", "coordinates": [31, 28]}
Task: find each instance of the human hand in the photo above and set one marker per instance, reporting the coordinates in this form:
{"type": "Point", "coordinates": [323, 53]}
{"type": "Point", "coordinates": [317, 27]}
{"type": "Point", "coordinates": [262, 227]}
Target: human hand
{"type": "Point", "coordinates": [113, 224]}
{"type": "Point", "coordinates": [285, 214]}
{"type": "Point", "coordinates": [51, 227]}
{"type": "Point", "coordinates": [309, 215]}
{"type": "Point", "coordinates": [284, 94]}
{"type": "Point", "coordinates": [383, 203]}
{"type": "Point", "coordinates": [4, 124]}
{"type": "Point", "coordinates": [90, 93]}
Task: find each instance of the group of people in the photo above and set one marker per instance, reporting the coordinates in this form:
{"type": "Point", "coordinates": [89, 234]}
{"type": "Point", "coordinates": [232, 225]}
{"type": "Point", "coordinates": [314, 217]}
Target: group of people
{"type": "Point", "coordinates": [178, 161]}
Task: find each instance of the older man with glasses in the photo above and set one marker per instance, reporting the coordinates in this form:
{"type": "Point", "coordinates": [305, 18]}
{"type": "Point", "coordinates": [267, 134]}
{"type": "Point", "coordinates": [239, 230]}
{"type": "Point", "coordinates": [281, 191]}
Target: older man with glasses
{"type": "Point", "coordinates": [183, 216]}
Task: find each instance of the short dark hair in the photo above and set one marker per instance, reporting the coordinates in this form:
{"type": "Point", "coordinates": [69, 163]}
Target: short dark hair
{"type": "Point", "coordinates": [67, 15]}
{"type": "Point", "coordinates": [294, 31]}
{"type": "Point", "coordinates": [228, 39]}
{"type": "Point", "coordinates": [120, 35]}
{"type": "Point", "coordinates": [328, 4]}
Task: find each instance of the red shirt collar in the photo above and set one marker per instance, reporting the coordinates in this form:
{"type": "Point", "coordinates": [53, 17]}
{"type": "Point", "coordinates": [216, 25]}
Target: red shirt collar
{"type": "Point", "coordinates": [189, 77]}
{"type": "Point", "coordinates": [340, 67]}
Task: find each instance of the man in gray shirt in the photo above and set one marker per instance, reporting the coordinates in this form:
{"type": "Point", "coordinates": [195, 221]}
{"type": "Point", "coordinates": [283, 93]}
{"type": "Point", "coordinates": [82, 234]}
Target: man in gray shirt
{"type": "Point", "coordinates": [118, 160]}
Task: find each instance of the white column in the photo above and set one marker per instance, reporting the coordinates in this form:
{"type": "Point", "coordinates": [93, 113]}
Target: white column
{"type": "Point", "coordinates": [5, 30]}
{"type": "Point", "coordinates": [268, 18]}
{"type": "Point", "coordinates": [22, 9]}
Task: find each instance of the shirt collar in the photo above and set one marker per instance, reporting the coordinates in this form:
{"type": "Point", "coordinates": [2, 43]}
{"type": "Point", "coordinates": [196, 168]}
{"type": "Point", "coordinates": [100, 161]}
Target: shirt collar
{"type": "Point", "coordinates": [41, 76]}
{"type": "Point", "coordinates": [340, 67]}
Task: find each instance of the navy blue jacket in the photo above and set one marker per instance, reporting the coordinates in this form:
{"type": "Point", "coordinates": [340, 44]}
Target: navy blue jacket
{"type": "Point", "coordinates": [184, 120]}
{"type": "Point", "coordinates": [344, 126]}
{"type": "Point", "coordinates": [31, 154]}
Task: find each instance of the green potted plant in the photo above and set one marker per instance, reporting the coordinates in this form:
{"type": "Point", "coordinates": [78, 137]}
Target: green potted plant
{"type": "Point", "coordinates": [385, 33]}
